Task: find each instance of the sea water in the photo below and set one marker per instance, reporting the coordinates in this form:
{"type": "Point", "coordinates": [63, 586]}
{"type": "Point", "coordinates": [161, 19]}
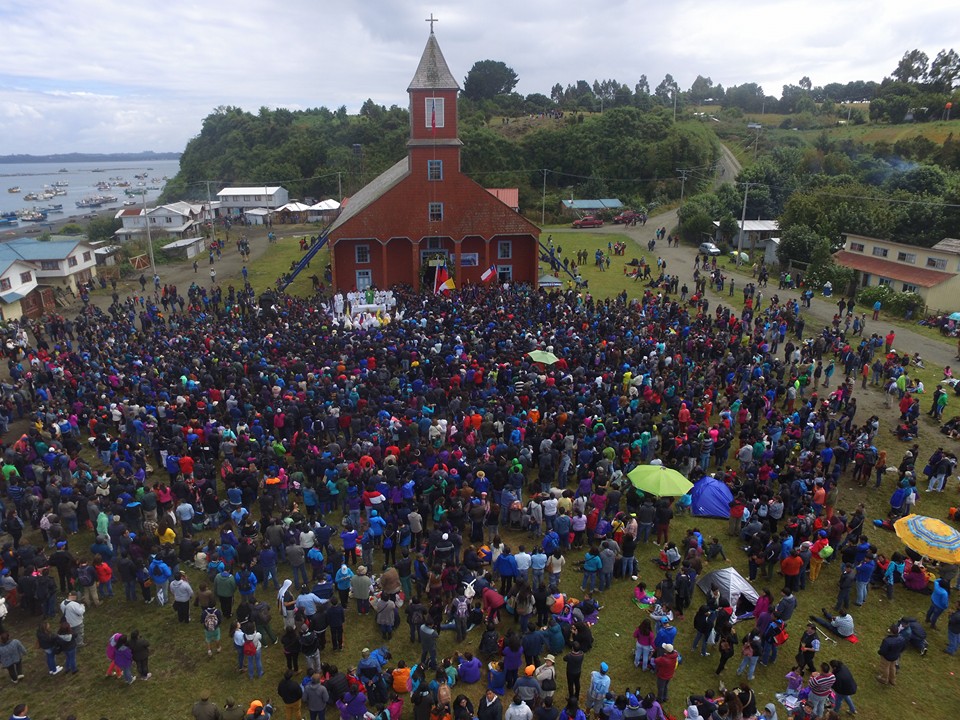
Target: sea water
{"type": "Point", "coordinates": [32, 177]}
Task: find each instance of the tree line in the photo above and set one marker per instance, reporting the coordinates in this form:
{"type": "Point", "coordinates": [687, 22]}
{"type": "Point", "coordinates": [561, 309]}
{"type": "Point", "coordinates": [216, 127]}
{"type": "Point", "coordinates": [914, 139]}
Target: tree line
{"type": "Point", "coordinates": [322, 153]}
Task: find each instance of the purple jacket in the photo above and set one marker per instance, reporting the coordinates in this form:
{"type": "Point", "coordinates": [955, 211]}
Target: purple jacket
{"type": "Point", "coordinates": [352, 706]}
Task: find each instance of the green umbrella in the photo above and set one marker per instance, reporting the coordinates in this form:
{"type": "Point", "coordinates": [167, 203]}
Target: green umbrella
{"type": "Point", "coordinates": [659, 481]}
{"type": "Point", "coordinates": [542, 356]}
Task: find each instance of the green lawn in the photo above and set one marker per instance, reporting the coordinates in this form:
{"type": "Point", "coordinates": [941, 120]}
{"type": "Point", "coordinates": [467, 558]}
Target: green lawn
{"type": "Point", "coordinates": [181, 667]}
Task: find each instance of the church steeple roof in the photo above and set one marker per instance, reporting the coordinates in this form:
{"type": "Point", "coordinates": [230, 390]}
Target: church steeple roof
{"type": "Point", "coordinates": [432, 72]}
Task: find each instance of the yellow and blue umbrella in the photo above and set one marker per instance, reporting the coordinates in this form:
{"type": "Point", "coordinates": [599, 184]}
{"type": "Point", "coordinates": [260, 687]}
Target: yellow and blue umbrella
{"type": "Point", "coordinates": [930, 537]}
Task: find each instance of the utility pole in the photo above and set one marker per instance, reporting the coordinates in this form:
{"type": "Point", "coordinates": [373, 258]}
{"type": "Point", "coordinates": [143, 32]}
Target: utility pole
{"type": "Point", "coordinates": [683, 181]}
{"type": "Point", "coordinates": [339, 188]}
{"type": "Point", "coordinates": [213, 219]}
{"type": "Point", "coordinates": [543, 198]}
{"type": "Point", "coordinates": [743, 222]}
{"type": "Point", "coordinates": [146, 220]}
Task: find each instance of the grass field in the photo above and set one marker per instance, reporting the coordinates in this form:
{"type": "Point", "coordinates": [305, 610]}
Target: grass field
{"type": "Point", "coordinates": [181, 668]}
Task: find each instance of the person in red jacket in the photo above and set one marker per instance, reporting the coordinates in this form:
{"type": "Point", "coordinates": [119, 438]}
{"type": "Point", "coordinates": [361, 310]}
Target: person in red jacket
{"type": "Point", "coordinates": [104, 576]}
{"type": "Point", "coordinates": [665, 667]}
{"type": "Point", "coordinates": [737, 506]}
{"type": "Point", "coordinates": [791, 566]}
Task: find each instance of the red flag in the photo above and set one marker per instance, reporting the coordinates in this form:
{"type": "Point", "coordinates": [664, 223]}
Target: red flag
{"type": "Point", "coordinates": [439, 279]}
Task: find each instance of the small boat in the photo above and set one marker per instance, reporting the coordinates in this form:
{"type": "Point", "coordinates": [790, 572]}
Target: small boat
{"type": "Point", "coordinates": [63, 170]}
{"type": "Point", "coordinates": [14, 189]}
{"type": "Point", "coordinates": [61, 183]}
{"type": "Point", "coordinates": [31, 196]}
{"type": "Point", "coordinates": [58, 208]}
{"type": "Point", "coordinates": [8, 221]}
{"type": "Point", "coordinates": [99, 170]}
{"type": "Point", "coordinates": [9, 214]}
{"type": "Point", "coordinates": [34, 216]}
{"type": "Point", "coordinates": [129, 203]}
{"type": "Point", "coordinates": [59, 191]}
{"type": "Point", "coordinates": [90, 202]}
{"type": "Point", "coordinates": [152, 187]}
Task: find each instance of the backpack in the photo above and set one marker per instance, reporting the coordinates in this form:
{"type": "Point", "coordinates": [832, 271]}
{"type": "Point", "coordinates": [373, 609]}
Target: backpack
{"type": "Point", "coordinates": [244, 584]}
{"type": "Point", "coordinates": [249, 648]}
{"type": "Point", "coordinates": [210, 620]}
{"type": "Point", "coordinates": [86, 576]}
{"type": "Point", "coordinates": [416, 616]}
{"type": "Point", "coordinates": [261, 613]}
{"type": "Point", "coordinates": [463, 608]}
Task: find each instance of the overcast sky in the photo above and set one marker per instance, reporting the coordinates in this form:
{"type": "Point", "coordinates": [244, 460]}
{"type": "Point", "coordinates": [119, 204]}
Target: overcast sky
{"type": "Point", "coordinates": [121, 76]}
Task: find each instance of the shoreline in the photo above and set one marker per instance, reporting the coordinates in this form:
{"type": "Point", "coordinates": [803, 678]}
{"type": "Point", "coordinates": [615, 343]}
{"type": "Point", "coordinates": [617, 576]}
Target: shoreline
{"type": "Point", "coordinates": [53, 226]}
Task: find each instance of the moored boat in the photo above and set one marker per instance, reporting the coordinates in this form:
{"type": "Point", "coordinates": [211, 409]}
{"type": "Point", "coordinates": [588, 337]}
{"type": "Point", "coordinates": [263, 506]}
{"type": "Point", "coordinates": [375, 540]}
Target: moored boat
{"type": "Point", "coordinates": [14, 189]}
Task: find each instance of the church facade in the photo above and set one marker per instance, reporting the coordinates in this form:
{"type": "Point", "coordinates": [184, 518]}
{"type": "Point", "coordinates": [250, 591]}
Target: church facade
{"type": "Point", "coordinates": [424, 212]}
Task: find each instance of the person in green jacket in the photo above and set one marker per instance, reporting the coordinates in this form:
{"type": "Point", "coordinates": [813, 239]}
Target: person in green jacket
{"type": "Point", "coordinates": [225, 587]}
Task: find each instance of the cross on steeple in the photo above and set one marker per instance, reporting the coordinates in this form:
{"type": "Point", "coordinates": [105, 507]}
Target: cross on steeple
{"type": "Point", "coordinates": [431, 20]}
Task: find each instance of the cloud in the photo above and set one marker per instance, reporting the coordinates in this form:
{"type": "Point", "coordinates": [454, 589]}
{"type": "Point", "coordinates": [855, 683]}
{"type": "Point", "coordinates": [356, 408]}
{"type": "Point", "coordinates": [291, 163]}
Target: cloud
{"type": "Point", "coordinates": [114, 75]}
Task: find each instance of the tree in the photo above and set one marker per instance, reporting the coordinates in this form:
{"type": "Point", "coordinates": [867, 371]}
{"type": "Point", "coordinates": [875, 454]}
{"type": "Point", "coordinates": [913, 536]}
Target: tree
{"type": "Point", "coordinates": [912, 67]}
{"type": "Point", "coordinates": [944, 71]}
{"type": "Point", "coordinates": [702, 89]}
{"type": "Point", "coordinates": [102, 227]}
{"type": "Point", "coordinates": [642, 87]}
{"type": "Point", "coordinates": [665, 89]}
{"type": "Point", "coordinates": [556, 93]}
{"type": "Point", "coordinates": [799, 243]}
{"type": "Point", "coordinates": [489, 78]}
{"type": "Point", "coordinates": [805, 83]}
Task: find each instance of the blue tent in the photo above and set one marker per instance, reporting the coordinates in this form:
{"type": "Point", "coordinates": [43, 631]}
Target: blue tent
{"type": "Point", "coordinates": [711, 498]}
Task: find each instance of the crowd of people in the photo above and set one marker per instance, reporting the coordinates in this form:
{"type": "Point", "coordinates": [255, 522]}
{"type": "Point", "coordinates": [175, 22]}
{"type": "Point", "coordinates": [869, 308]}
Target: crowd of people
{"type": "Point", "coordinates": [426, 472]}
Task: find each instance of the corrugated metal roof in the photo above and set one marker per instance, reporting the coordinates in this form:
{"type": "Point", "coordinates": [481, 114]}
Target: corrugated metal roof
{"type": "Point", "coordinates": [508, 196]}
{"type": "Point", "coordinates": [598, 204]}
{"type": "Point", "coordinates": [432, 72]}
{"type": "Point", "coordinates": [893, 270]}
{"type": "Point", "coordinates": [261, 190]}
{"type": "Point", "coordinates": [948, 245]}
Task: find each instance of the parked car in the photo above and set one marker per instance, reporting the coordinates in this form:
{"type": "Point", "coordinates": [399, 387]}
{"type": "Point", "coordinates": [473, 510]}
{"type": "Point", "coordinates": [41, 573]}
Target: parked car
{"type": "Point", "coordinates": [588, 221]}
{"type": "Point", "coordinates": [626, 217]}
{"type": "Point", "coordinates": [708, 248]}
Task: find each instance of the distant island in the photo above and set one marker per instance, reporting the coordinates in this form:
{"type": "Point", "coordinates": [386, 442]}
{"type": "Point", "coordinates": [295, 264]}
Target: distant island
{"type": "Point", "coordinates": [89, 157]}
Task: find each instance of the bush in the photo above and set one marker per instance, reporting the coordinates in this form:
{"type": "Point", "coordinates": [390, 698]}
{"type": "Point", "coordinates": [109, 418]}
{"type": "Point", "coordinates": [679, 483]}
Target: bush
{"type": "Point", "coordinates": [896, 303]}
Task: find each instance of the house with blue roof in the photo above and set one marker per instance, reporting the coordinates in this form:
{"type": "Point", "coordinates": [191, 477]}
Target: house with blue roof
{"type": "Point", "coordinates": [34, 272]}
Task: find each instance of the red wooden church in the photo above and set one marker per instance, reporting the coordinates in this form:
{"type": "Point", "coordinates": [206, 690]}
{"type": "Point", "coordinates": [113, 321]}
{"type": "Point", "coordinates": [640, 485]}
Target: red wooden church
{"type": "Point", "coordinates": [424, 211]}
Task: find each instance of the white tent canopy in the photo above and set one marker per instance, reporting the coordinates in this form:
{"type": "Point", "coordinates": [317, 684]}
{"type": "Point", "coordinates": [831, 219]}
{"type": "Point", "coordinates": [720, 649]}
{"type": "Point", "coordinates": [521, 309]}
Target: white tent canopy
{"type": "Point", "coordinates": [294, 207]}
{"type": "Point", "coordinates": [732, 586]}
{"type": "Point", "coordinates": [325, 205]}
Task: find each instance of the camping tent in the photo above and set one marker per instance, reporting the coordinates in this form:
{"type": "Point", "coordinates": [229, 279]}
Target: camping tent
{"type": "Point", "coordinates": [711, 498]}
{"type": "Point", "coordinates": [550, 281]}
{"type": "Point", "coordinates": [734, 588]}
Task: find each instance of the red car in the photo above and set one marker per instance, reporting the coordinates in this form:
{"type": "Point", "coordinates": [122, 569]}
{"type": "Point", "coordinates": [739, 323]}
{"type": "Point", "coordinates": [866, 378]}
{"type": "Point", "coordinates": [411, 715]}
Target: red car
{"type": "Point", "coordinates": [589, 221]}
{"type": "Point", "coordinates": [625, 218]}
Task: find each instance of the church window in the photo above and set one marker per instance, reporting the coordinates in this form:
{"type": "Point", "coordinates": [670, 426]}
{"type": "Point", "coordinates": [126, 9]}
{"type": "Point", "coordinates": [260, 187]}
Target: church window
{"type": "Point", "coordinates": [435, 212]}
{"type": "Point", "coordinates": [362, 254]}
{"type": "Point", "coordinates": [434, 169]}
{"type": "Point", "coordinates": [434, 114]}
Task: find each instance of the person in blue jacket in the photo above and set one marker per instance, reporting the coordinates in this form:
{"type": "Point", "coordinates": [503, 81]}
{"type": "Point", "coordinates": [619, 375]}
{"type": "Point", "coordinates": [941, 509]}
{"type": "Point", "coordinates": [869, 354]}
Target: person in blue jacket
{"type": "Point", "coordinates": [939, 601]}
{"type": "Point", "coordinates": [160, 574]}
{"type": "Point", "coordinates": [506, 568]}
{"type": "Point", "coordinates": [246, 583]}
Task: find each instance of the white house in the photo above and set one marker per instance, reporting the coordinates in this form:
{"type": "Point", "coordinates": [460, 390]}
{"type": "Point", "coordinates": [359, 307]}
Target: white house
{"type": "Point", "coordinates": [17, 280]}
{"type": "Point", "coordinates": [235, 201]}
{"type": "Point", "coordinates": [36, 269]}
{"type": "Point", "coordinates": [180, 219]}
